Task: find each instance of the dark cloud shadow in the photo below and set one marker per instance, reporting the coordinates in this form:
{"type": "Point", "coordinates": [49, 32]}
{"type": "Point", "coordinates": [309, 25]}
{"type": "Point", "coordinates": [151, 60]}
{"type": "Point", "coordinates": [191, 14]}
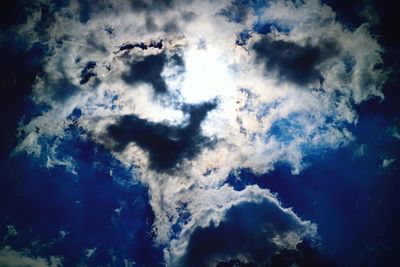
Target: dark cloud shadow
{"type": "Point", "coordinates": [167, 145]}
{"type": "Point", "coordinates": [62, 89]}
{"type": "Point", "coordinates": [244, 238]}
{"type": "Point", "coordinates": [151, 5]}
{"type": "Point", "coordinates": [141, 45]}
{"type": "Point", "coordinates": [149, 69]}
{"type": "Point", "coordinates": [87, 72]}
{"type": "Point", "coordinates": [237, 11]}
{"type": "Point", "coordinates": [292, 62]}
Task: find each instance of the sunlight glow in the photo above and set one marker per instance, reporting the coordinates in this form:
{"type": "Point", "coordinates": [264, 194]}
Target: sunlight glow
{"type": "Point", "coordinates": [207, 76]}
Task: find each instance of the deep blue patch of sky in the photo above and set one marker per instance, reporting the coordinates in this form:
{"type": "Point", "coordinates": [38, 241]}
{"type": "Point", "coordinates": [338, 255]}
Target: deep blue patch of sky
{"type": "Point", "coordinates": [41, 202]}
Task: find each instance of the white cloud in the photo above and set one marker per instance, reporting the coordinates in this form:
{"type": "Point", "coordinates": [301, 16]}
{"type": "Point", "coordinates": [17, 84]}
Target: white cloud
{"type": "Point", "coordinates": [394, 131]}
{"type": "Point", "coordinates": [361, 150]}
{"type": "Point", "coordinates": [12, 258]}
{"type": "Point", "coordinates": [210, 206]}
{"type": "Point", "coordinates": [387, 162]}
{"type": "Point", "coordinates": [259, 120]}
{"type": "Point", "coordinates": [90, 251]}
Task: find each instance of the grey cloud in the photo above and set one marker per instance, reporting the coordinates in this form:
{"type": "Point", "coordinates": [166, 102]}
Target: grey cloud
{"type": "Point", "coordinates": [293, 62]}
{"type": "Point", "coordinates": [61, 90]}
{"type": "Point", "coordinates": [11, 258]}
{"type": "Point", "coordinates": [237, 11]}
{"type": "Point", "coordinates": [152, 5]}
{"type": "Point", "coordinates": [305, 255]}
{"type": "Point", "coordinates": [87, 72]}
{"type": "Point", "coordinates": [250, 233]}
{"type": "Point", "coordinates": [149, 69]}
{"type": "Point", "coordinates": [167, 145]}
{"type": "Point", "coordinates": [141, 45]}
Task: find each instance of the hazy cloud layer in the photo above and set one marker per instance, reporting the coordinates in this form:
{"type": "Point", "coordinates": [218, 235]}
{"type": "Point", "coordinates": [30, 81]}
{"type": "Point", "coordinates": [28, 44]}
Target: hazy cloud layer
{"type": "Point", "coordinates": [171, 91]}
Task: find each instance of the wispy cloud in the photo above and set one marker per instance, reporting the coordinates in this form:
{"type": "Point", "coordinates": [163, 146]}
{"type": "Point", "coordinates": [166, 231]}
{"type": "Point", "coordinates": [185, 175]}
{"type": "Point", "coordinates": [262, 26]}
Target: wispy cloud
{"type": "Point", "coordinates": [186, 113]}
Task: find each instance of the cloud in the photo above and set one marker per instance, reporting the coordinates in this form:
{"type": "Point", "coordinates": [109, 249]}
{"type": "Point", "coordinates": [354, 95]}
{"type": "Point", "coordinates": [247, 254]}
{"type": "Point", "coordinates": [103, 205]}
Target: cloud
{"type": "Point", "coordinates": [361, 150]}
{"type": "Point", "coordinates": [11, 230]}
{"type": "Point", "coordinates": [293, 62]}
{"type": "Point", "coordinates": [90, 251]}
{"type": "Point", "coordinates": [236, 11]}
{"type": "Point", "coordinates": [249, 232]}
{"type": "Point", "coordinates": [87, 72]}
{"type": "Point", "coordinates": [167, 145]}
{"type": "Point", "coordinates": [394, 131]}
{"type": "Point", "coordinates": [144, 78]}
{"type": "Point", "coordinates": [387, 162]}
{"type": "Point", "coordinates": [148, 70]}
{"type": "Point", "coordinates": [215, 210]}
{"type": "Point", "coordinates": [12, 258]}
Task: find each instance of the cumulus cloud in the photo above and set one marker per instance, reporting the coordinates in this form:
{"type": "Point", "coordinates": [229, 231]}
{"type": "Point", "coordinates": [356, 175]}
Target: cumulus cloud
{"type": "Point", "coordinates": [250, 232]}
{"type": "Point", "coordinates": [186, 92]}
{"type": "Point", "coordinates": [12, 258]}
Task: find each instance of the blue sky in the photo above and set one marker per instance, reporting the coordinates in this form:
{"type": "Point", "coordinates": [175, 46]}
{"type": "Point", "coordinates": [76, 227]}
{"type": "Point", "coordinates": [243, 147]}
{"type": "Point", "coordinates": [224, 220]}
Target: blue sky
{"type": "Point", "coordinates": [199, 133]}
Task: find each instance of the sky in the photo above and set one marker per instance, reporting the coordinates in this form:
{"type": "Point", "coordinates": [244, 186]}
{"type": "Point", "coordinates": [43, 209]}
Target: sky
{"type": "Point", "coordinates": [199, 133]}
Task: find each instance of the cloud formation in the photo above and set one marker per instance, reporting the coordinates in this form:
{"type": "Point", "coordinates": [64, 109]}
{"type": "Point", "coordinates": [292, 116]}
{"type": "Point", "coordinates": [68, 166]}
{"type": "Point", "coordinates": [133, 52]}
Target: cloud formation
{"type": "Point", "coordinates": [247, 234]}
{"type": "Point", "coordinates": [166, 145]}
{"type": "Point", "coordinates": [293, 62]}
{"type": "Point", "coordinates": [11, 258]}
{"type": "Point", "coordinates": [165, 85]}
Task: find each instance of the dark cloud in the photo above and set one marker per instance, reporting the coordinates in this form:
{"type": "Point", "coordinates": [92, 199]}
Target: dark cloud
{"type": "Point", "coordinates": [149, 69]}
{"type": "Point", "coordinates": [88, 8]}
{"type": "Point", "coordinates": [141, 45]}
{"type": "Point", "coordinates": [235, 263]}
{"type": "Point", "coordinates": [248, 230]}
{"type": "Point", "coordinates": [87, 72]}
{"type": "Point", "coordinates": [267, 27]}
{"type": "Point", "coordinates": [292, 62]}
{"type": "Point", "coordinates": [61, 90]}
{"type": "Point", "coordinates": [305, 255]}
{"type": "Point", "coordinates": [167, 145]}
{"type": "Point", "coordinates": [237, 11]}
{"type": "Point", "coordinates": [93, 43]}
{"type": "Point", "coordinates": [151, 5]}
{"type": "Point", "coordinates": [243, 37]}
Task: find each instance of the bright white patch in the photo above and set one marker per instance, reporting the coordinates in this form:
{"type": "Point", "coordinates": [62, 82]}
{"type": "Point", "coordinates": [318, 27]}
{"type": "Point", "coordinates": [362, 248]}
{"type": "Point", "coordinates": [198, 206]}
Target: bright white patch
{"type": "Point", "coordinates": [207, 75]}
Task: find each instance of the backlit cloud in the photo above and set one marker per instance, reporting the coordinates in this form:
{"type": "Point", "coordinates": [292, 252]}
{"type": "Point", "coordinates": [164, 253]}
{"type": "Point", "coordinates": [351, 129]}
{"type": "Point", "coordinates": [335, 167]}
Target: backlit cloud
{"type": "Point", "coordinates": [186, 92]}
